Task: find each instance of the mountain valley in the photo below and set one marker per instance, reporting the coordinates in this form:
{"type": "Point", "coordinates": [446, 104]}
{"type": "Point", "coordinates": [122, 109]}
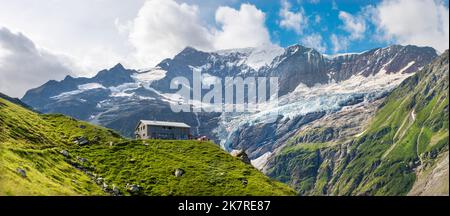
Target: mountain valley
{"type": "Point", "coordinates": [371, 123]}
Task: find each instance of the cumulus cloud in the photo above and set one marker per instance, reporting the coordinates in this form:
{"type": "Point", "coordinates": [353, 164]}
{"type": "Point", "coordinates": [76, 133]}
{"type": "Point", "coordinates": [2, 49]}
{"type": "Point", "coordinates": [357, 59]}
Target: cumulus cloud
{"type": "Point", "coordinates": [354, 25]}
{"type": "Point", "coordinates": [314, 41]}
{"type": "Point", "coordinates": [74, 28]}
{"type": "Point", "coordinates": [296, 21]}
{"type": "Point", "coordinates": [23, 65]}
{"type": "Point", "coordinates": [240, 28]}
{"type": "Point", "coordinates": [419, 22]}
{"type": "Point", "coordinates": [163, 28]}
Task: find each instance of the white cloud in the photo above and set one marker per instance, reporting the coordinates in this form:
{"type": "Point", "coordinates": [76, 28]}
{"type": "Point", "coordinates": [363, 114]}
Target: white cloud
{"type": "Point", "coordinates": [354, 25]}
{"type": "Point", "coordinates": [163, 28]}
{"type": "Point", "coordinates": [97, 58]}
{"type": "Point", "coordinates": [339, 43]}
{"type": "Point", "coordinates": [296, 21]}
{"type": "Point", "coordinates": [137, 34]}
{"type": "Point", "coordinates": [75, 28]}
{"type": "Point", "coordinates": [23, 65]}
{"type": "Point", "coordinates": [419, 22]}
{"type": "Point", "coordinates": [240, 28]}
{"type": "Point", "coordinates": [314, 41]}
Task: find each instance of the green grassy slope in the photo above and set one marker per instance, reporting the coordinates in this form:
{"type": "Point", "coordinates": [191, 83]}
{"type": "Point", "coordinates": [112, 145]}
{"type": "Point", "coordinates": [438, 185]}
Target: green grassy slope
{"type": "Point", "coordinates": [151, 165]}
{"type": "Point", "coordinates": [33, 143]}
{"type": "Point", "coordinates": [409, 131]}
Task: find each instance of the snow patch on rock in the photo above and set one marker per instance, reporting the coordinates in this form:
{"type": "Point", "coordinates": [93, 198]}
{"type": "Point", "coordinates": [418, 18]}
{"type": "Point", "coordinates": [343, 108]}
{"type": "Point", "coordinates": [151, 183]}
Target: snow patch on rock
{"type": "Point", "coordinates": [255, 58]}
{"type": "Point", "coordinates": [81, 89]}
{"type": "Point", "coordinates": [150, 75]}
{"type": "Point", "coordinates": [261, 161]}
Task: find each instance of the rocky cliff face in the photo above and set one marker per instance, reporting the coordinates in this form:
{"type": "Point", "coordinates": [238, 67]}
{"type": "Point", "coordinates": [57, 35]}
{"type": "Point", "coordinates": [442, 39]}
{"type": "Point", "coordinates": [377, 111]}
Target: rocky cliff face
{"type": "Point", "coordinates": [393, 59]}
{"type": "Point", "coordinates": [402, 149]}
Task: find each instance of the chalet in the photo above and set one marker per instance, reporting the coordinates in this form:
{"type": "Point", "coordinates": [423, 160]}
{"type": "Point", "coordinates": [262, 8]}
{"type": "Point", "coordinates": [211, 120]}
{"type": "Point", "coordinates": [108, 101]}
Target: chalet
{"type": "Point", "coordinates": [162, 130]}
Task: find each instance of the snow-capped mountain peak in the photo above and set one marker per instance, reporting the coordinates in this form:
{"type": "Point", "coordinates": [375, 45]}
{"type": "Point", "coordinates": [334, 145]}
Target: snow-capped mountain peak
{"type": "Point", "coordinates": [257, 57]}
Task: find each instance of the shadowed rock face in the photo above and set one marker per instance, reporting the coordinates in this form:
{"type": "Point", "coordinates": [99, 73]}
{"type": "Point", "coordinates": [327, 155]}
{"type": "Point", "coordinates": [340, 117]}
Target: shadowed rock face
{"type": "Point", "coordinates": [307, 66]}
{"type": "Point", "coordinates": [114, 76]}
{"type": "Point", "coordinates": [300, 65]}
{"type": "Point", "coordinates": [391, 59]}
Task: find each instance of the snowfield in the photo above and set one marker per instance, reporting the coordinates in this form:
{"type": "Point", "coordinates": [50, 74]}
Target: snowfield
{"type": "Point", "coordinates": [81, 89]}
{"type": "Point", "coordinates": [150, 75]}
{"type": "Point", "coordinates": [255, 58]}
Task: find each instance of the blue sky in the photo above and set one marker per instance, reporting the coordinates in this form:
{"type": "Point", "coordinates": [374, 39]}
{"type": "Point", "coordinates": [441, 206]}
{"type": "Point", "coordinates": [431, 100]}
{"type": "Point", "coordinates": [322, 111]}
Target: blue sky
{"type": "Point", "coordinates": [328, 12]}
{"type": "Point", "coordinates": [82, 37]}
{"type": "Point", "coordinates": [329, 23]}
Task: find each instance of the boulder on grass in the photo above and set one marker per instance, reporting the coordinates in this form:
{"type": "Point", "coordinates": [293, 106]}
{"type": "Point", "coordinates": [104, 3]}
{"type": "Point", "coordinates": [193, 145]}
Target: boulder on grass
{"type": "Point", "coordinates": [115, 190]}
{"type": "Point", "coordinates": [133, 189]}
{"type": "Point", "coordinates": [82, 160]}
{"type": "Point", "coordinates": [179, 172]}
{"type": "Point", "coordinates": [22, 172]}
{"type": "Point", "coordinates": [241, 155]}
{"type": "Point", "coordinates": [244, 182]}
{"type": "Point", "coordinates": [65, 153]}
{"type": "Point", "coordinates": [81, 141]}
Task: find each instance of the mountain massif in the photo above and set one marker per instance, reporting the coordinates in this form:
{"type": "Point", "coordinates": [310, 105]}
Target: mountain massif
{"type": "Point", "coordinates": [370, 123]}
{"type": "Point", "coordinates": [117, 98]}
